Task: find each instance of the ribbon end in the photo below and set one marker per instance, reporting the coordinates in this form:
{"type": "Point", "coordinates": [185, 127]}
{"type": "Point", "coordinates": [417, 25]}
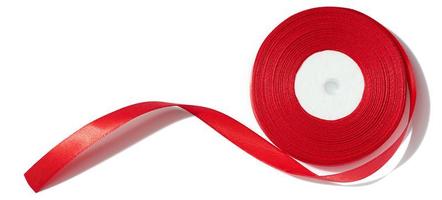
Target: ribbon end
{"type": "Point", "coordinates": [36, 187]}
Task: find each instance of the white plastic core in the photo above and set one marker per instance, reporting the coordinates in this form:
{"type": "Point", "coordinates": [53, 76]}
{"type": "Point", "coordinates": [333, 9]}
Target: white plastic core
{"type": "Point", "coordinates": [329, 85]}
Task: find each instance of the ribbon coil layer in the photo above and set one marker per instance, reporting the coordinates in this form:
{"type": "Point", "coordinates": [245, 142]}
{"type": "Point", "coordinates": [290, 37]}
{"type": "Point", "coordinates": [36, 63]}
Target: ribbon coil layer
{"type": "Point", "coordinates": [296, 135]}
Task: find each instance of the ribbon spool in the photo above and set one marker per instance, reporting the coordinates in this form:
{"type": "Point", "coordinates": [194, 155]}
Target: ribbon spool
{"type": "Point", "coordinates": [296, 134]}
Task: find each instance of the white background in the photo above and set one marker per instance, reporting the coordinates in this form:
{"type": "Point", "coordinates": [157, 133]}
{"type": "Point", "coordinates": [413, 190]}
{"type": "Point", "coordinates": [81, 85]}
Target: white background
{"type": "Point", "coordinates": [63, 64]}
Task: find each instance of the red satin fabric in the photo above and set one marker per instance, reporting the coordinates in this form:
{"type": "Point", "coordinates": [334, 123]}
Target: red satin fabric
{"type": "Point", "coordinates": [296, 134]}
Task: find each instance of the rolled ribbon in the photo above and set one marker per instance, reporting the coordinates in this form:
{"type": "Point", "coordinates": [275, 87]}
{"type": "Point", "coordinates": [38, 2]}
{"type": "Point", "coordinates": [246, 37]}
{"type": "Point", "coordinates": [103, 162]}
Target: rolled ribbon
{"type": "Point", "coordinates": [296, 135]}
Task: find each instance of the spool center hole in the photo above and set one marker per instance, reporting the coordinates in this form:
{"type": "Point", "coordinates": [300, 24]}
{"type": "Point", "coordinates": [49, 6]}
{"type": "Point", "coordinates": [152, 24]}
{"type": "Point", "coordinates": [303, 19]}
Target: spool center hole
{"type": "Point", "coordinates": [331, 86]}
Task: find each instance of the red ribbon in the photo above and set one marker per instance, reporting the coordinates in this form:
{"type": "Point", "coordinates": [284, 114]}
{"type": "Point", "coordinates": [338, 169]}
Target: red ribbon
{"type": "Point", "coordinates": [388, 79]}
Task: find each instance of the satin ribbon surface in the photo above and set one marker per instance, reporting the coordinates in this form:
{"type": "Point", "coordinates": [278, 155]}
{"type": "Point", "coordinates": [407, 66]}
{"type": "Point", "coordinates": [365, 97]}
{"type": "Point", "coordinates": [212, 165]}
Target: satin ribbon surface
{"type": "Point", "coordinates": [294, 134]}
